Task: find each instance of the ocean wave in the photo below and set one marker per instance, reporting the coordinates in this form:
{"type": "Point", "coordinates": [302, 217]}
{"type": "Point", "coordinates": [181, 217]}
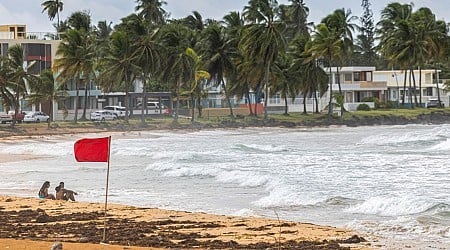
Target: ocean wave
{"type": "Point", "coordinates": [435, 134]}
{"type": "Point", "coordinates": [442, 146]}
{"type": "Point", "coordinates": [389, 206]}
{"type": "Point", "coordinates": [260, 148]}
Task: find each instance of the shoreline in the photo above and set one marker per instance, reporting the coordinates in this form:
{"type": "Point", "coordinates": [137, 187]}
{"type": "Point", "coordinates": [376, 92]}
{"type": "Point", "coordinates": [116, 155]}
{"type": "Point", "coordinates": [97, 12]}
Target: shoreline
{"type": "Point", "coordinates": [38, 223]}
{"type": "Point", "coordinates": [270, 227]}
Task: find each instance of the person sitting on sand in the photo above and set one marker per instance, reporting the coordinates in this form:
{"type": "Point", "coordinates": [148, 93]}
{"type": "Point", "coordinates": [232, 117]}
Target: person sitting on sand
{"type": "Point", "coordinates": [64, 194]}
{"type": "Point", "coordinates": [43, 192]}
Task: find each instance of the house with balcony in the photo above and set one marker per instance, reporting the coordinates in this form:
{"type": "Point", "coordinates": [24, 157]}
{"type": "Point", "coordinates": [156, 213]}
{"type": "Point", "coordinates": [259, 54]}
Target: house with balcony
{"type": "Point", "coordinates": [40, 53]}
{"type": "Point", "coordinates": [357, 85]}
{"type": "Point", "coordinates": [427, 88]}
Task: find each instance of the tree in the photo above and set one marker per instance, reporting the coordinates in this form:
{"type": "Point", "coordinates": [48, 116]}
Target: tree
{"type": "Point", "coordinates": [53, 7]}
{"type": "Point", "coordinates": [365, 44]}
{"type": "Point", "coordinates": [151, 11]}
{"type": "Point", "coordinates": [75, 62]}
{"type": "Point", "coordinates": [179, 65]}
{"type": "Point", "coordinates": [20, 78]}
{"type": "Point", "coordinates": [263, 38]}
{"type": "Point", "coordinates": [6, 92]}
{"type": "Point", "coordinates": [396, 37]}
{"type": "Point", "coordinates": [120, 66]}
{"type": "Point", "coordinates": [46, 89]}
{"type": "Point", "coordinates": [325, 46]}
{"type": "Point", "coordinates": [219, 51]}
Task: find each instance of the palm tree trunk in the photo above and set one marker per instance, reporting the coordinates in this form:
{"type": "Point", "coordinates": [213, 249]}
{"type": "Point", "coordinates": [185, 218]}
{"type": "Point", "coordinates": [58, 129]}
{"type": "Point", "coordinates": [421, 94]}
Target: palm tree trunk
{"type": "Point", "coordinates": [127, 84]}
{"type": "Point", "coordinates": [409, 89]}
{"type": "Point", "coordinates": [193, 109]}
{"type": "Point", "coordinates": [420, 86]}
{"type": "Point", "coordinates": [404, 87]}
{"type": "Point", "coordinates": [227, 97]}
{"type": "Point", "coordinates": [415, 87]}
{"type": "Point", "coordinates": [144, 98]}
{"type": "Point", "coordinates": [330, 103]}
{"type": "Point", "coordinates": [247, 95]}
{"type": "Point", "coordinates": [304, 103]}
{"type": "Point", "coordinates": [76, 100]}
{"type": "Point", "coordinates": [258, 93]}
{"type": "Point", "coordinates": [177, 107]}
{"type": "Point", "coordinates": [316, 102]}
{"type": "Point", "coordinates": [83, 116]}
{"type": "Point", "coordinates": [266, 89]}
{"type": "Point", "coordinates": [286, 105]}
{"type": "Point", "coordinates": [437, 84]}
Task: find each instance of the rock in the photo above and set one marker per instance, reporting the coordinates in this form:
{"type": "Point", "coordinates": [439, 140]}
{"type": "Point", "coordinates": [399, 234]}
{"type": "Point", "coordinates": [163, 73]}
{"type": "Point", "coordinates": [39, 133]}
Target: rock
{"type": "Point", "coordinates": [57, 246]}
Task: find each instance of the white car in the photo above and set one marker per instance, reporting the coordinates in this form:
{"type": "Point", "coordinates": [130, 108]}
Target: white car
{"type": "Point", "coordinates": [36, 116]}
{"type": "Point", "coordinates": [103, 115]}
{"type": "Point", "coordinates": [119, 111]}
{"type": "Point", "coordinates": [154, 108]}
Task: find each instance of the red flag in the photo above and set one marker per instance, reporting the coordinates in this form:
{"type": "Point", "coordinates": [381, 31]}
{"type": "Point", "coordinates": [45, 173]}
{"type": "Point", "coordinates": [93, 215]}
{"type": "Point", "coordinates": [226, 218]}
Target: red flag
{"type": "Point", "coordinates": [92, 150]}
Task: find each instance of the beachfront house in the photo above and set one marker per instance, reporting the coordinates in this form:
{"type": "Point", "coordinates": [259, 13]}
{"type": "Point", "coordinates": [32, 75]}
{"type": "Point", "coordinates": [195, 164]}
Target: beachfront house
{"type": "Point", "coordinates": [398, 88]}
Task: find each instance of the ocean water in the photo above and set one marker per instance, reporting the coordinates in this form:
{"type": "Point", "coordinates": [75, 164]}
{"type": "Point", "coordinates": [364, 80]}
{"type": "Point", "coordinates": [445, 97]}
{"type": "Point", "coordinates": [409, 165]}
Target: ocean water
{"type": "Point", "coordinates": [390, 183]}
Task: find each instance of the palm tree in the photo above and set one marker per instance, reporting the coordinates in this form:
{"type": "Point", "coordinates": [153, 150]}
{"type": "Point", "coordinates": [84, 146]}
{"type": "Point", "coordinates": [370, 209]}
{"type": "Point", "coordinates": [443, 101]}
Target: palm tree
{"type": "Point", "coordinates": [76, 61]}
{"type": "Point", "coordinates": [310, 78]}
{"type": "Point", "coordinates": [179, 65]}
{"type": "Point", "coordinates": [20, 78]}
{"type": "Point", "coordinates": [395, 34]}
{"type": "Point", "coordinates": [340, 23]}
{"type": "Point", "coordinates": [151, 11]}
{"type": "Point", "coordinates": [200, 76]}
{"type": "Point", "coordinates": [263, 38]}
{"type": "Point", "coordinates": [149, 59]}
{"type": "Point", "coordinates": [120, 66]}
{"type": "Point", "coordinates": [324, 45]}
{"type": "Point", "coordinates": [219, 51]}
{"type": "Point", "coordinates": [53, 7]}
{"type": "Point", "coordinates": [46, 90]}
{"type": "Point", "coordinates": [6, 93]}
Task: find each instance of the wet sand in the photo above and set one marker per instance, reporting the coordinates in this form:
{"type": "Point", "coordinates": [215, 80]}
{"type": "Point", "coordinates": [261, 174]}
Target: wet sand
{"type": "Point", "coordinates": [32, 223]}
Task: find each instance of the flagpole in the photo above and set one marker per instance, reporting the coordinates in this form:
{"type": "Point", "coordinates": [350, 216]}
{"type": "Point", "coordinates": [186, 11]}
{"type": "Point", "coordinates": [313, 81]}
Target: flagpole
{"type": "Point", "coordinates": [106, 195]}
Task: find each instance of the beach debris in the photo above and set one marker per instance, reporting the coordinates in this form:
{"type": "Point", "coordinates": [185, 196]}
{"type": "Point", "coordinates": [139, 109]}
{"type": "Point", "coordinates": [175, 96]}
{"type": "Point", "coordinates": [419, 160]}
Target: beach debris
{"type": "Point", "coordinates": [43, 216]}
{"type": "Point", "coordinates": [57, 246]}
{"type": "Point", "coordinates": [353, 240]}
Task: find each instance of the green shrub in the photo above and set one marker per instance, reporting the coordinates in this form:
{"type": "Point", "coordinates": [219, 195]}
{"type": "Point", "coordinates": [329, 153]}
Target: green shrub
{"type": "Point", "coordinates": [363, 107]}
{"type": "Point", "coordinates": [375, 100]}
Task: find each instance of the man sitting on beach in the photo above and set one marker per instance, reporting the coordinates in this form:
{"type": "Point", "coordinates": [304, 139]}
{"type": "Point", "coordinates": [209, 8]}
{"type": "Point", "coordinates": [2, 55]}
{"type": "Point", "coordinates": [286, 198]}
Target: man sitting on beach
{"type": "Point", "coordinates": [64, 194]}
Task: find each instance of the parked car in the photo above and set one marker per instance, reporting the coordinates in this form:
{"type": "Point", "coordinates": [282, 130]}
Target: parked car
{"type": "Point", "coordinates": [154, 108]}
{"type": "Point", "coordinates": [434, 103]}
{"type": "Point", "coordinates": [36, 116]}
{"type": "Point", "coordinates": [103, 115]}
{"type": "Point", "coordinates": [8, 117]}
{"type": "Point", "coordinates": [119, 111]}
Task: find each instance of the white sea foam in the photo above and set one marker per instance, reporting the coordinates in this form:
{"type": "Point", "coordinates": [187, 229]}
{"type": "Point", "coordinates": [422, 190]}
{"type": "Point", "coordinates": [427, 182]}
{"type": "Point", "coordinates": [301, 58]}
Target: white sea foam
{"type": "Point", "coordinates": [244, 212]}
{"type": "Point", "coordinates": [442, 146]}
{"type": "Point", "coordinates": [390, 206]}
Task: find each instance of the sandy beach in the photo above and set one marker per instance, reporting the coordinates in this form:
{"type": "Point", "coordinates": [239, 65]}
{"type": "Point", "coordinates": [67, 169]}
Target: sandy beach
{"type": "Point", "coordinates": [32, 223]}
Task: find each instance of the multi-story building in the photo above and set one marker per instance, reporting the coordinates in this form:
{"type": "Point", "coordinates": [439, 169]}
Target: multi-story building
{"type": "Point", "coordinates": [13, 31]}
{"type": "Point", "coordinates": [40, 49]}
{"type": "Point", "coordinates": [425, 85]}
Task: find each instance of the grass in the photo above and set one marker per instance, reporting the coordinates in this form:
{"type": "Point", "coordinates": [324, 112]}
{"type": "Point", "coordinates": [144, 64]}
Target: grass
{"type": "Point", "coordinates": [167, 121]}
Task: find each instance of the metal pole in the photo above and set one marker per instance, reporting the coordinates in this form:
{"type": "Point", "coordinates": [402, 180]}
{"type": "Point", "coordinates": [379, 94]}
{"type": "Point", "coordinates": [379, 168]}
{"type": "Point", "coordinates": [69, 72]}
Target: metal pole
{"type": "Point", "coordinates": [106, 195]}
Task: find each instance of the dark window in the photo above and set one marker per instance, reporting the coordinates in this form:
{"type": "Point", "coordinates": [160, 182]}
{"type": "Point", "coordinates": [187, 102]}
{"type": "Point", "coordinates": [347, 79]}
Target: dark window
{"type": "Point", "coordinates": [356, 76]}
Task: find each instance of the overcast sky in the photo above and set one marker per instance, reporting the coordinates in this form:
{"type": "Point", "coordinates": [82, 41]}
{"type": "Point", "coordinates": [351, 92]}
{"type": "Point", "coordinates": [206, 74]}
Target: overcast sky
{"type": "Point", "coordinates": [29, 12]}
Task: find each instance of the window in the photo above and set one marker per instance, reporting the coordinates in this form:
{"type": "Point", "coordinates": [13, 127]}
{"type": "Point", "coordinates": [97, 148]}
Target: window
{"type": "Point", "coordinates": [356, 76]}
{"type": "Point", "coordinates": [368, 76]}
{"type": "Point", "coordinates": [348, 77]}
